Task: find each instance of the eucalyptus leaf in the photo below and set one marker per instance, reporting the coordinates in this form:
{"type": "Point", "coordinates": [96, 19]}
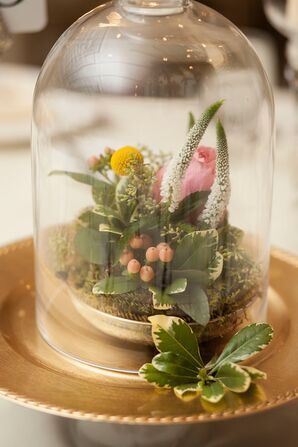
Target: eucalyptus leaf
{"type": "Point", "coordinates": [194, 302]}
{"type": "Point", "coordinates": [233, 377]}
{"type": "Point", "coordinates": [247, 342]}
{"type": "Point", "coordinates": [171, 334]}
{"type": "Point", "coordinates": [175, 365]}
{"type": "Point", "coordinates": [158, 378]}
{"type": "Point", "coordinates": [213, 392]}
{"type": "Point", "coordinates": [114, 285]}
{"type": "Point", "coordinates": [94, 246]}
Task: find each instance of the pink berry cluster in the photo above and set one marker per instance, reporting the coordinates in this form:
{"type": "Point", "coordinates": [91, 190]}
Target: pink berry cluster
{"type": "Point", "coordinates": [162, 252]}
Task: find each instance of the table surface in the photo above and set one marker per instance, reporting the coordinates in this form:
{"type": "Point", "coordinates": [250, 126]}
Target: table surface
{"type": "Point", "coordinates": [20, 426]}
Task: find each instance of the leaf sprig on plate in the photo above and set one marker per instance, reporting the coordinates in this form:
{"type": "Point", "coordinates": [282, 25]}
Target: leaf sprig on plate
{"type": "Point", "coordinates": [179, 364]}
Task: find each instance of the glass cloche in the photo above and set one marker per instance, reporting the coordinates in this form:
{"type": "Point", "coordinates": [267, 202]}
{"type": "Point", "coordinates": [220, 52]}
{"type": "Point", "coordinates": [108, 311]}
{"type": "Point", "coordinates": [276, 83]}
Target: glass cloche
{"type": "Point", "coordinates": [152, 156]}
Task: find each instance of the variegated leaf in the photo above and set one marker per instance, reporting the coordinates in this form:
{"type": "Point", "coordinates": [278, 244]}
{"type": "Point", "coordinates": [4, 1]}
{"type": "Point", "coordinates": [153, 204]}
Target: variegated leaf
{"type": "Point", "coordinates": [213, 392]}
{"type": "Point", "coordinates": [114, 285]}
{"type": "Point", "coordinates": [188, 391]}
{"type": "Point", "coordinates": [160, 379]}
{"type": "Point", "coordinates": [172, 334]}
{"type": "Point", "coordinates": [194, 302]}
{"type": "Point", "coordinates": [105, 228]}
{"type": "Point", "coordinates": [247, 342]}
{"type": "Point", "coordinates": [233, 377]}
{"type": "Point", "coordinates": [178, 286]}
{"type": "Point", "coordinates": [106, 211]}
{"type": "Point", "coordinates": [175, 365]}
{"type": "Point", "coordinates": [254, 373]}
{"type": "Point", "coordinates": [161, 301]}
{"type": "Point", "coordinates": [196, 250]}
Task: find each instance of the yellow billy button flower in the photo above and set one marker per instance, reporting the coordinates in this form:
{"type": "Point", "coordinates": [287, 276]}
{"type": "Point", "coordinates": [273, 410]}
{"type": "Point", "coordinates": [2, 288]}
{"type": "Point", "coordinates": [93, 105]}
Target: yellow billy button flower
{"type": "Point", "coordinates": [125, 158]}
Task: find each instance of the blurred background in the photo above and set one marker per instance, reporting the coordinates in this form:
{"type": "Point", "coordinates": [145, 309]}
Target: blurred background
{"type": "Point", "coordinates": [22, 53]}
{"type": "Point", "coordinates": [246, 14]}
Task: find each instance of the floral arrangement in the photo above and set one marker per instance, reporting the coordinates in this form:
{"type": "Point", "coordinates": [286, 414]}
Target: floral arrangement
{"type": "Point", "coordinates": [158, 239]}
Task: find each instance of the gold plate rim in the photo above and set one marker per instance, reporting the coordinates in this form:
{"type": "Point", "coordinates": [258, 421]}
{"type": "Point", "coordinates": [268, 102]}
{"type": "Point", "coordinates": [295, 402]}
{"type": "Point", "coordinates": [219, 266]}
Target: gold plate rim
{"type": "Point", "coordinates": [278, 256]}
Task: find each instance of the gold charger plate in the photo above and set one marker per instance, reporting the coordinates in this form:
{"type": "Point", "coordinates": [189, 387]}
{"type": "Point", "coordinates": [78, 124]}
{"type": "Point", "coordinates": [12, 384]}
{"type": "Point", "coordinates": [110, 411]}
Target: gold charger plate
{"type": "Point", "coordinates": [34, 375]}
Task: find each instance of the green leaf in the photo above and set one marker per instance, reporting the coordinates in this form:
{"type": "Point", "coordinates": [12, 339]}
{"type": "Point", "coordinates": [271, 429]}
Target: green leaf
{"type": "Point", "coordinates": [164, 300]}
{"type": "Point", "coordinates": [149, 222]}
{"type": "Point", "coordinates": [255, 374]}
{"type": "Point", "coordinates": [114, 285]}
{"type": "Point", "coordinates": [178, 286]}
{"type": "Point", "coordinates": [102, 191]}
{"type": "Point", "coordinates": [158, 378]}
{"type": "Point", "coordinates": [88, 218]}
{"type": "Point", "coordinates": [247, 342]}
{"type": "Point", "coordinates": [233, 377]}
{"type": "Point", "coordinates": [192, 202]}
{"type": "Point", "coordinates": [191, 120]}
{"type": "Point", "coordinates": [211, 362]}
{"type": "Point", "coordinates": [106, 211]}
{"type": "Point", "coordinates": [196, 250]}
{"type": "Point", "coordinates": [82, 178]}
{"type": "Point", "coordinates": [194, 302]}
{"type": "Point", "coordinates": [213, 392]}
{"type": "Point", "coordinates": [171, 334]}
{"type": "Point", "coordinates": [204, 278]}
{"type": "Point", "coordinates": [188, 391]}
{"type": "Point", "coordinates": [161, 301]}
{"type": "Point", "coordinates": [175, 365]}
{"type": "Point", "coordinates": [105, 228]}
{"type": "Point", "coordinates": [94, 246]}
{"type": "Point", "coordinates": [199, 277]}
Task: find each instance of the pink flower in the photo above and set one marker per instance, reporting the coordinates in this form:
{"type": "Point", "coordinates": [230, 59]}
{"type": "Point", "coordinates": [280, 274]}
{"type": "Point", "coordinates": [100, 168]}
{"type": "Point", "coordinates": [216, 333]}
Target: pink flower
{"type": "Point", "coordinates": [92, 162]}
{"type": "Point", "coordinates": [199, 175]}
